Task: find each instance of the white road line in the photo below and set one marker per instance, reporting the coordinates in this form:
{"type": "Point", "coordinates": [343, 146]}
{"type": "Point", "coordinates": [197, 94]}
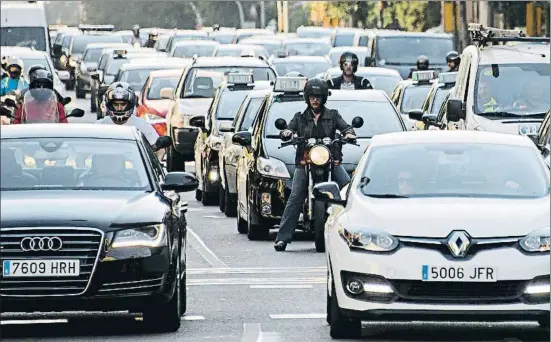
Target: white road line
{"type": "Point", "coordinates": [251, 332]}
{"type": "Point", "coordinates": [269, 337]}
{"type": "Point", "coordinates": [214, 217]}
{"type": "Point", "coordinates": [255, 281]}
{"type": "Point", "coordinates": [194, 209]}
{"type": "Point", "coordinates": [34, 321]}
{"type": "Point", "coordinates": [299, 316]}
{"type": "Point", "coordinates": [192, 318]}
{"type": "Point", "coordinates": [200, 246]}
{"type": "Point", "coordinates": [256, 270]}
{"type": "Point", "coordinates": [280, 286]}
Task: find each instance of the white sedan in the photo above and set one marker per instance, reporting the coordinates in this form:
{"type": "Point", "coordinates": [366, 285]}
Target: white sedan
{"type": "Point", "coordinates": [439, 225]}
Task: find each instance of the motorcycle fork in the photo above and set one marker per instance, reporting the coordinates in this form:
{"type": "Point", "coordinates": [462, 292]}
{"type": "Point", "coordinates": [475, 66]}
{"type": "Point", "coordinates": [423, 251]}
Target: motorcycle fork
{"type": "Point", "coordinates": [310, 189]}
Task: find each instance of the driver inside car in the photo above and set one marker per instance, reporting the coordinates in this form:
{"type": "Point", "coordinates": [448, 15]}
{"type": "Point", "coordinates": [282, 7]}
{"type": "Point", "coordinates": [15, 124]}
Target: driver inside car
{"type": "Point", "coordinates": [107, 170]}
{"type": "Point", "coordinates": [12, 172]}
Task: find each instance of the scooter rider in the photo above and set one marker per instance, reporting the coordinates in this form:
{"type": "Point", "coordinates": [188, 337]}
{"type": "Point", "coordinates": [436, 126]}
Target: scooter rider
{"type": "Point", "coordinates": [422, 65]}
{"type": "Point", "coordinates": [152, 39]}
{"type": "Point", "coordinates": [32, 71]}
{"type": "Point", "coordinates": [317, 121]}
{"type": "Point", "coordinates": [348, 80]}
{"type": "Point", "coordinates": [453, 59]}
{"type": "Point", "coordinates": [16, 79]}
{"type": "Point", "coordinates": [136, 41]}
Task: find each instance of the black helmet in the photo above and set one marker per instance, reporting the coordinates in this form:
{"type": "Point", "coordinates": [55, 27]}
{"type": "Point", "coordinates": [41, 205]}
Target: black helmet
{"type": "Point", "coordinates": [41, 79]}
{"type": "Point", "coordinates": [120, 92]}
{"type": "Point", "coordinates": [216, 27]}
{"type": "Point", "coordinates": [35, 68]}
{"type": "Point", "coordinates": [452, 56]}
{"type": "Point", "coordinates": [316, 87]}
{"type": "Point", "coordinates": [422, 63]}
{"type": "Point", "coordinates": [350, 58]}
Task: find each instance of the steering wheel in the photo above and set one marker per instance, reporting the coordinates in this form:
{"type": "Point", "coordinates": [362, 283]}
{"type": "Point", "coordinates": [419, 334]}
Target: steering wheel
{"type": "Point", "coordinates": [106, 177]}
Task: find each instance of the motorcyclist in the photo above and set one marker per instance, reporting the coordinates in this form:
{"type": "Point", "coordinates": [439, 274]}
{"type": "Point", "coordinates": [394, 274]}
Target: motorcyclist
{"type": "Point", "coordinates": [4, 67]}
{"type": "Point", "coordinates": [308, 125]}
{"type": "Point", "coordinates": [34, 69]}
{"type": "Point", "coordinates": [120, 108]}
{"type": "Point", "coordinates": [16, 79]}
{"type": "Point", "coordinates": [40, 103]}
{"type": "Point", "coordinates": [348, 80]}
{"type": "Point", "coordinates": [152, 39]}
{"type": "Point", "coordinates": [453, 59]}
{"type": "Point", "coordinates": [422, 65]}
{"type": "Point", "coordinates": [136, 41]}
{"type": "Point", "coordinates": [216, 27]}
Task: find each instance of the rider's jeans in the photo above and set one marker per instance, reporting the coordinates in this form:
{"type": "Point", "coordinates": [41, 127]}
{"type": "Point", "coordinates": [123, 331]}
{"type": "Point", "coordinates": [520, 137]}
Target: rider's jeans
{"type": "Point", "coordinates": [299, 192]}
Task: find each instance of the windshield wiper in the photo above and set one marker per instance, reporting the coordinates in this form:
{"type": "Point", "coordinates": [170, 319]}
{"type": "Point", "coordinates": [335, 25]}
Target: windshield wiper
{"type": "Point", "coordinates": [386, 196]}
{"type": "Point", "coordinates": [499, 115]}
{"type": "Point", "coordinates": [195, 97]}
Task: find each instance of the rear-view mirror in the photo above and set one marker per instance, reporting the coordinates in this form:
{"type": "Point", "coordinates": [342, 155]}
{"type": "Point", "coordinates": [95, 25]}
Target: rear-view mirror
{"type": "Point", "coordinates": [357, 122]}
{"type": "Point", "coordinates": [281, 124]}
{"type": "Point", "coordinates": [167, 93]}
{"type": "Point", "coordinates": [179, 182]}
{"type": "Point", "coordinates": [164, 141]}
{"type": "Point", "coordinates": [369, 61]}
{"type": "Point", "coordinates": [76, 113]}
{"type": "Point", "coordinates": [66, 101]}
{"type": "Point", "coordinates": [242, 138]}
{"type": "Point", "coordinates": [455, 110]}
{"type": "Point", "coordinates": [328, 192]}
{"type": "Point", "coordinates": [415, 114]}
{"type": "Point", "coordinates": [197, 121]}
{"type": "Point", "coordinates": [225, 127]}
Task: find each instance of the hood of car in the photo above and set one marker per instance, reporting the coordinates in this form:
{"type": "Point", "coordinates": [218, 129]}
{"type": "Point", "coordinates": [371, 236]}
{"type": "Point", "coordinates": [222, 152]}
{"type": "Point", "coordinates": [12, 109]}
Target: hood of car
{"type": "Point", "coordinates": [437, 217]}
{"type": "Point", "coordinates": [193, 107]}
{"type": "Point", "coordinates": [106, 210]}
{"type": "Point", "coordinates": [508, 125]}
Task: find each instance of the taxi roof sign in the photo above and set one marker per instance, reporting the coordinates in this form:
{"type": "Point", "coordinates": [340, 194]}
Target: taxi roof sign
{"type": "Point", "coordinates": [290, 84]}
{"type": "Point", "coordinates": [422, 76]}
{"type": "Point", "coordinates": [240, 78]}
{"type": "Point", "coordinates": [96, 27]}
{"type": "Point", "coordinates": [120, 52]}
{"type": "Point", "coordinates": [447, 77]}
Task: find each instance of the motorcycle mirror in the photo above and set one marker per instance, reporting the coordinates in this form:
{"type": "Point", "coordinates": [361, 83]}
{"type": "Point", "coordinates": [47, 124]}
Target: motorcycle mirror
{"type": "Point", "coordinates": [357, 122]}
{"type": "Point", "coordinates": [10, 102]}
{"type": "Point", "coordinates": [66, 101]}
{"type": "Point", "coordinates": [163, 142]}
{"type": "Point", "coordinates": [76, 113]}
{"type": "Point", "coordinates": [7, 112]}
{"type": "Point", "coordinates": [281, 124]}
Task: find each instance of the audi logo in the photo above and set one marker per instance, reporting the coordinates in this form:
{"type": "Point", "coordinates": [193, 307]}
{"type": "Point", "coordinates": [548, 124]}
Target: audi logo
{"type": "Point", "coordinates": [37, 244]}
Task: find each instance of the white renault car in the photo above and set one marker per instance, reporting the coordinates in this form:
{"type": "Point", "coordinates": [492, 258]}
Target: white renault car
{"type": "Point", "coordinates": [439, 225]}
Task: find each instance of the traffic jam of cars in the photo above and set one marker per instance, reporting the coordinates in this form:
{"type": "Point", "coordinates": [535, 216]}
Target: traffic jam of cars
{"type": "Point", "coordinates": [431, 200]}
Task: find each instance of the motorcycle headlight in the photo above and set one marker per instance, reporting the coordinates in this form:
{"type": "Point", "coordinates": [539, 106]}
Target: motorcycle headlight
{"type": "Point", "coordinates": [150, 236]}
{"type": "Point", "coordinates": [214, 143]}
{"type": "Point", "coordinates": [319, 155]}
{"type": "Point", "coordinates": [72, 62]}
{"type": "Point", "coordinates": [368, 240]}
{"type": "Point", "coordinates": [537, 241]}
{"type": "Point", "coordinates": [273, 168]}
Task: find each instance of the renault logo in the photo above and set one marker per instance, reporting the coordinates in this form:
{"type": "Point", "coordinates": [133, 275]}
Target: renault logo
{"type": "Point", "coordinates": [459, 243]}
{"type": "Point", "coordinates": [38, 244]}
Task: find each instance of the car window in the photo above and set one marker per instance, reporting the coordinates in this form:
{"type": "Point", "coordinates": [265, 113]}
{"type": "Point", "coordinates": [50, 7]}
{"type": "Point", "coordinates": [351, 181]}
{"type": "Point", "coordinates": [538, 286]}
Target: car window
{"type": "Point", "coordinates": [250, 114]}
{"type": "Point", "coordinates": [308, 49]}
{"type": "Point", "coordinates": [157, 167]}
{"type": "Point", "coordinates": [187, 51]}
{"type": "Point", "coordinates": [158, 83]}
{"type": "Point", "coordinates": [80, 42]}
{"type": "Point", "coordinates": [456, 170]}
{"type": "Point", "coordinates": [29, 62]}
{"type": "Point", "coordinates": [51, 163]}
{"type": "Point", "coordinates": [407, 49]}
{"type": "Point", "coordinates": [32, 37]}
{"type": "Point", "coordinates": [308, 69]}
{"type": "Point", "coordinates": [229, 103]}
{"type": "Point", "coordinates": [92, 55]}
{"type": "Point", "coordinates": [384, 83]}
{"type": "Point", "coordinates": [439, 98]}
{"type": "Point", "coordinates": [413, 97]}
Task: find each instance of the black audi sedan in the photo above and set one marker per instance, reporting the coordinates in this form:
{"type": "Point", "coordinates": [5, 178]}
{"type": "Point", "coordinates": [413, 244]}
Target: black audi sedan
{"type": "Point", "coordinates": [107, 235]}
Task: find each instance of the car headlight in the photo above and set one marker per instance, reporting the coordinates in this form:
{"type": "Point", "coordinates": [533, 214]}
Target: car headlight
{"type": "Point", "coordinates": [537, 241]}
{"type": "Point", "coordinates": [319, 155]}
{"type": "Point", "coordinates": [273, 168]}
{"type": "Point", "coordinates": [150, 236]}
{"type": "Point", "coordinates": [368, 240]}
{"type": "Point", "coordinates": [72, 62]}
{"type": "Point", "coordinates": [214, 143]}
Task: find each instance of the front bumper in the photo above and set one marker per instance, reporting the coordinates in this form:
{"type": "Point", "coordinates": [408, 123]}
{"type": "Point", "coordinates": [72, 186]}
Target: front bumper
{"type": "Point", "coordinates": [269, 197]}
{"type": "Point", "coordinates": [184, 140]}
{"type": "Point", "coordinates": [409, 295]}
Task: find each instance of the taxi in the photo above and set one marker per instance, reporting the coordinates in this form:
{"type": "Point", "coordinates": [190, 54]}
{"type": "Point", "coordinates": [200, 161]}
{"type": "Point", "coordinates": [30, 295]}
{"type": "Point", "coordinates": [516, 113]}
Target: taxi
{"type": "Point", "coordinates": [190, 48]}
{"type": "Point", "coordinates": [229, 152]}
{"type": "Point", "coordinates": [436, 97]}
{"type": "Point", "coordinates": [153, 108]}
{"type": "Point", "coordinates": [542, 138]}
{"type": "Point", "coordinates": [228, 97]}
{"type": "Point", "coordinates": [410, 94]}
{"type": "Point", "coordinates": [264, 172]}
{"type": "Point", "coordinates": [239, 50]}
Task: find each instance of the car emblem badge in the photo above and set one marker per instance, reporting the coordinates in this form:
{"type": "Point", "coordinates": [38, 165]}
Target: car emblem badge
{"type": "Point", "coordinates": [458, 243]}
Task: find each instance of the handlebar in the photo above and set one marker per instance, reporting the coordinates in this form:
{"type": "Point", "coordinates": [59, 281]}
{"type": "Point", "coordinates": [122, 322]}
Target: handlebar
{"type": "Point", "coordinates": [299, 140]}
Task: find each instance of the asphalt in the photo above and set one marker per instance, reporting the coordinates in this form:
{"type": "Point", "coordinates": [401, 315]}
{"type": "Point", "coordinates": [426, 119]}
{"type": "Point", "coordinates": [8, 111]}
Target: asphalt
{"type": "Point", "coordinates": [243, 291]}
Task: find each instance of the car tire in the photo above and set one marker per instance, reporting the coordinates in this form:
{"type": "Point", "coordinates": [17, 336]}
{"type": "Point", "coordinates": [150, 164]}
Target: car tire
{"type": "Point", "coordinates": [231, 203]}
{"type": "Point", "coordinates": [79, 93]}
{"type": "Point", "coordinates": [256, 232]}
{"type": "Point", "coordinates": [222, 199]}
{"type": "Point", "coordinates": [342, 327]}
{"type": "Point", "coordinates": [318, 225]}
{"type": "Point", "coordinates": [175, 161]}
{"type": "Point", "coordinates": [165, 316]}
{"type": "Point", "coordinates": [183, 294]}
{"type": "Point", "coordinates": [198, 195]}
{"type": "Point", "coordinates": [93, 107]}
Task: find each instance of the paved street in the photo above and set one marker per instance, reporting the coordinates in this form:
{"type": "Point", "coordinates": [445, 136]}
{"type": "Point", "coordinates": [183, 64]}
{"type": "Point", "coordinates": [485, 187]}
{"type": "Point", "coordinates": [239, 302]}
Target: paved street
{"type": "Point", "coordinates": [244, 291]}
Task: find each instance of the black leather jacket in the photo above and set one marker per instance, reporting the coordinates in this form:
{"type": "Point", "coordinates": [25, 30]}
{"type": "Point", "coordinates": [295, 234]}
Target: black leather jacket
{"type": "Point", "coordinates": [359, 83]}
{"type": "Point", "coordinates": [331, 122]}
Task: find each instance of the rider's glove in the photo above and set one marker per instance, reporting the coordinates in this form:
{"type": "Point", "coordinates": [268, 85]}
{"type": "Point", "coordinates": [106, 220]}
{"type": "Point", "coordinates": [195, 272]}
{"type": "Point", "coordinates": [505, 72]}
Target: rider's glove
{"type": "Point", "coordinates": [349, 136]}
{"type": "Point", "coordinates": [286, 134]}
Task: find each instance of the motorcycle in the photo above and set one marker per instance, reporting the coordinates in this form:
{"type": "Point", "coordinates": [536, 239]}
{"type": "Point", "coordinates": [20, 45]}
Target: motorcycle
{"type": "Point", "coordinates": [319, 164]}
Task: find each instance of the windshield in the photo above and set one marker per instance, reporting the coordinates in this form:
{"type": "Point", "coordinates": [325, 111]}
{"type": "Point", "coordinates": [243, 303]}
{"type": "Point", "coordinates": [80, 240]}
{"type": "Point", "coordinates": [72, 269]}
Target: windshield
{"type": "Point", "coordinates": [158, 83]}
{"type": "Point", "coordinates": [80, 42]}
{"type": "Point", "coordinates": [229, 103]}
{"type": "Point", "coordinates": [92, 55]}
{"type": "Point", "coordinates": [379, 117]}
{"type": "Point", "coordinates": [452, 170]}
{"type": "Point", "coordinates": [308, 49]}
{"type": "Point", "coordinates": [190, 50]}
{"type": "Point", "coordinates": [270, 47]}
{"type": "Point", "coordinates": [236, 51]}
{"type": "Point", "coordinates": [250, 113]}
{"type": "Point", "coordinates": [30, 62]}
{"type": "Point", "coordinates": [309, 33]}
{"type": "Point", "coordinates": [115, 64]}
{"type": "Point", "coordinates": [344, 39]}
{"type": "Point", "coordinates": [308, 69]}
{"type": "Point", "coordinates": [201, 82]}
{"type": "Point", "coordinates": [384, 83]}
{"type": "Point", "coordinates": [23, 36]}
{"type": "Point", "coordinates": [520, 89]}
{"type": "Point", "coordinates": [50, 163]}
{"type": "Point", "coordinates": [224, 39]}
{"type": "Point", "coordinates": [137, 78]}
{"type": "Point", "coordinates": [335, 55]}
{"type": "Point", "coordinates": [439, 98]}
{"type": "Point", "coordinates": [406, 50]}
{"type": "Point", "coordinates": [413, 97]}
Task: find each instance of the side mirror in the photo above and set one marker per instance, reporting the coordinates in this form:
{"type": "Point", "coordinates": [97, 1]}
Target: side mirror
{"type": "Point", "coordinates": [162, 50]}
{"type": "Point", "coordinates": [164, 141]}
{"type": "Point", "coordinates": [242, 138]}
{"type": "Point", "coordinates": [281, 124]}
{"type": "Point", "coordinates": [94, 76]}
{"type": "Point", "coordinates": [10, 102]}
{"type": "Point", "coordinates": [66, 101]}
{"type": "Point", "coordinates": [328, 192]}
{"type": "Point", "coordinates": [225, 127]}
{"type": "Point", "coordinates": [197, 121]}
{"type": "Point", "coordinates": [429, 119]}
{"type": "Point", "coordinates": [91, 68]}
{"type": "Point", "coordinates": [7, 112]}
{"type": "Point", "coordinates": [454, 110]}
{"type": "Point", "coordinates": [63, 75]}
{"type": "Point", "coordinates": [179, 182]}
{"type": "Point", "coordinates": [369, 61]}
{"type": "Point", "coordinates": [167, 93]}
{"type": "Point", "coordinates": [416, 114]}
{"type": "Point", "coordinates": [357, 122]}
{"type": "Point", "coordinates": [76, 113]}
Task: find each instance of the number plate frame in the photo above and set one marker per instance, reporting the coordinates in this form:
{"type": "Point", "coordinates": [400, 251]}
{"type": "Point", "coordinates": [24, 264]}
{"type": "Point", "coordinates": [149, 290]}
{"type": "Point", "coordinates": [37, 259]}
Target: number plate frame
{"type": "Point", "coordinates": [483, 274]}
{"type": "Point", "coordinates": [10, 270]}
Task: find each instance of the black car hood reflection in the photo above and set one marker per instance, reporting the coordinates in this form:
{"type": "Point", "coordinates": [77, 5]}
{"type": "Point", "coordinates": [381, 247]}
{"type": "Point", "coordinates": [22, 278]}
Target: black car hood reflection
{"type": "Point", "coordinates": [107, 210]}
{"type": "Point", "coordinates": [351, 153]}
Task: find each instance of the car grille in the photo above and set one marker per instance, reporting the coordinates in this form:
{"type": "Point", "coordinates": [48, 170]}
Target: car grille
{"type": "Point", "coordinates": [78, 243]}
{"type": "Point", "coordinates": [458, 292]}
{"type": "Point", "coordinates": [131, 287]}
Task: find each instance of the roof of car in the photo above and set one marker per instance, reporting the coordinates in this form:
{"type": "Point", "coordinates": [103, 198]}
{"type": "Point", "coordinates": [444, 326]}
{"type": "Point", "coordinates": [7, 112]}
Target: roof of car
{"type": "Point", "coordinates": [240, 46]}
{"type": "Point", "coordinates": [523, 53]}
{"type": "Point", "coordinates": [19, 52]}
{"type": "Point", "coordinates": [183, 33]}
{"type": "Point", "coordinates": [454, 136]}
{"type": "Point", "coordinates": [257, 85]}
{"type": "Point", "coordinates": [108, 45]}
{"type": "Point", "coordinates": [166, 73]}
{"type": "Point", "coordinates": [369, 70]}
{"type": "Point", "coordinates": [229, 62]}
{"type": "Point", "coordinates": [343, 49]}
{"type": "Point", "coordinates": [306, 59]}
{"type": "Point", "coordinates": [260, 40]}
{"type": "Point", "coordinates": [169, 62]}
{"type": "Point", "coordinates": [397, 33]}
{"type": "Point", "coordinates": [196, 42]}
{"type": "Point", "coordinates": [365, 95]}
{"type": "Point", "coordinates": [69, 131]}
{"type": "Point", "coordinates": [305, 41]}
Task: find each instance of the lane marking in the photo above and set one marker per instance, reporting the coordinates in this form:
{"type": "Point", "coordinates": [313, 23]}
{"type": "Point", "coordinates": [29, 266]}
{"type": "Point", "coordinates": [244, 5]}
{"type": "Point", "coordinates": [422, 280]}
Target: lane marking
{"type": "Point", "coordinates": [251, 332]}
{"type": "Point", "coordinates": [256, 281]}
{"type": "Point", "coordinates": [199, 245]}
{"type": "Point", "coordinates": [280, 286]}
{"type": "Point", "coordinates": [214, 217]}
{"type": "Point", "coordinates": [192, 318]}
{"type": "Point", "coordinates": [269, 337]}
{"type": "Point", "coordinates": [34, 321]}
{"type": "Point", "coordinates": [299, 316]}
{"type": "Point", "coordinates": [256, 270]}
